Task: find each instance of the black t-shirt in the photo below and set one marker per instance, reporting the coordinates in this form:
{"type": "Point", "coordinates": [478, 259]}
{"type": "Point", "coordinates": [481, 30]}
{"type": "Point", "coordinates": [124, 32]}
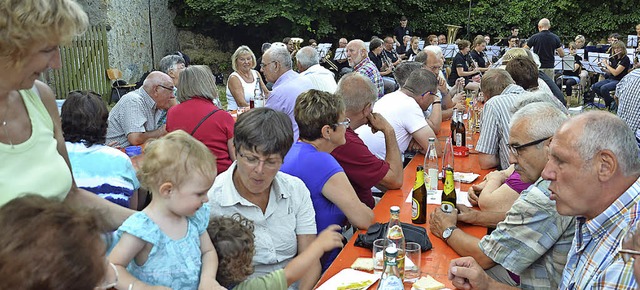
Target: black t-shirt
{"type": "Point", "coordinates": [400, 32]}
{"type": "Point", "coordinates": [376, 60]}
{"type": "Point", "coordinates": [389, 54]}
{"type": "Point", "coordinates": [544, 44]}
{"type": "Point", "coordinates": [478, 57]}
{"type": "Point", "coordinates": [625, 61]}
{"type": "Point", "coordinates": [410, 53]}
{"type": "Point", "coordinates": [458, 61]}
{"type": "Point", "coordinates": [576, 73]}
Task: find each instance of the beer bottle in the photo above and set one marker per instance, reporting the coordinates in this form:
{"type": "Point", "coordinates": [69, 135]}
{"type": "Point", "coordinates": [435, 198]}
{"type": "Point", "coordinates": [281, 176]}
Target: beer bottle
{"type": "Point", "coordinates": [391, 278]}
{"type": "Point", "coordinates": [453, 123]}
{"type": "Point", "coordinates": [461, 138]}
{"type": "Point", "coordinates": [395, 238]}
{"type": "Point", "coordinates": [419, 199]}
{"type": "Point", "coordinates": [448, 192]}
{"type": "Point", "coordinates": [431, 168]}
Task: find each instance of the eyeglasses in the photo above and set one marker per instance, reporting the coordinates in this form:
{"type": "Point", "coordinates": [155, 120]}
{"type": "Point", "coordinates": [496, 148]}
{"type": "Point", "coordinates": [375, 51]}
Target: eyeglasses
{"type": "Point", "coordinates": [346, 123]}
{"type": "Point", "coordinates": [107, 284]}
{"type": "Point", "coordinates": [627, 254]}
{"type": "Point", "coordinates": [429, 93]}
{"type": "Point", "coordinates": [167, 88]}
{"type": "Point", "coordinates": [435, 68]}
{"type": "Point", "coordinates": [262, 65]}
{"type": "Point", "coordinates": [515, 148]}
{"type": "Point", "coordinates": [254, 161]}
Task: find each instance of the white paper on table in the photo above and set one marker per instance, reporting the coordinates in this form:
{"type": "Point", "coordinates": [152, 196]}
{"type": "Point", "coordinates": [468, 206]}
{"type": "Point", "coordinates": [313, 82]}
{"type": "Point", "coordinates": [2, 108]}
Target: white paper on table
{"type": "Point", "coordinates": [461, 198]}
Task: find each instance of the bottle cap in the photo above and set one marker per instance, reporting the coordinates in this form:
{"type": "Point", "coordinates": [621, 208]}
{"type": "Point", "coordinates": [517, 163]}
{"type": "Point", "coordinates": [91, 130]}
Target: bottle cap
{"type": "Point", "coordinates": [432, 139]}
{"type": "Point", "coordinates": [395, 209]}
{"type": "Point", "coordinates": [391, 251]}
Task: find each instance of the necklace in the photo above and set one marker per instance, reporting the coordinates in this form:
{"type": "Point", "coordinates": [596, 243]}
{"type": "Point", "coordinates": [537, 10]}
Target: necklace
{"type": "Point", "coordinates": [4, 124]}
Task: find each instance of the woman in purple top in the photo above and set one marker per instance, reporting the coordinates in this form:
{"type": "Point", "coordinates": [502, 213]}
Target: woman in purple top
{"type": "Point", "coordinates": [322, 124]}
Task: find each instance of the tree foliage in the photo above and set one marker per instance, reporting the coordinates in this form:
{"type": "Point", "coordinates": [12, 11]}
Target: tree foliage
{"type": "Point", "coordinates": [253, 22]}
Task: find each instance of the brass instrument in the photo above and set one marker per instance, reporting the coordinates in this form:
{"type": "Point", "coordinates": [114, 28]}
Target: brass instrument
{"type": "Point", "coordinates": [327, 59]}
{"type": "Point", "coordinates": [452, 31]}
{"type": "Point", "coordinates": [296, 43]}
{"type": "Point", "coordinates": [387, 61]}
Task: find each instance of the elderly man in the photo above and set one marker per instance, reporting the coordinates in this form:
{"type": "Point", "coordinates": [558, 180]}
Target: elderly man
{"type": "Point", "coordinates": [532, 217]}
{"type": "Point", "coordinates": [287, 84]}
{"type": "Point", "coordinates": [544, 44]}
{"type": "Point", "coordinates": [137, 117]}
{"type": "Point", "coordinates": [364, 169]}
{"type": "Point", "coordinates": [452, 97]}
{"type": "Point", "coordinates": [404, 110]}
{"type": "Point", "coordinates": [594, 174]}
{"type": "Point", "coordinates": [360, 62]}
{"type": "Point", "coordinates": [278, 204]}
{"type": "Point", "coordinates": [309, 67]}
{"type": "Point", "coordinates": [173, 65]}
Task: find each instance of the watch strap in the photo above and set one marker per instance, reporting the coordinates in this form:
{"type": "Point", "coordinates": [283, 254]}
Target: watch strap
{"type": "Point", "coordinates": [450, 230]}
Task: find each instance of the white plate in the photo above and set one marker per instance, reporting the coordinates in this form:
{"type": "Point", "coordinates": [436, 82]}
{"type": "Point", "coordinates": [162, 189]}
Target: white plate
{"type": "Point", "coordinates": [347, 276]}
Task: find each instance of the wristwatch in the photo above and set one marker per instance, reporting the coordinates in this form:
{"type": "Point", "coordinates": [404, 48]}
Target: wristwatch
{"type": "Point", "coordinates": [447, 232]}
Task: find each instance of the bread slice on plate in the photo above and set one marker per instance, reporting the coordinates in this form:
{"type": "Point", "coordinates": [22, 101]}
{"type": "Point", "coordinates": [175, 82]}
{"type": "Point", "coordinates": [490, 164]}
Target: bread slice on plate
{"type": "Point", "coordinates": [364, 264]}
{"type": "Point", "coordinates": [427, 283]}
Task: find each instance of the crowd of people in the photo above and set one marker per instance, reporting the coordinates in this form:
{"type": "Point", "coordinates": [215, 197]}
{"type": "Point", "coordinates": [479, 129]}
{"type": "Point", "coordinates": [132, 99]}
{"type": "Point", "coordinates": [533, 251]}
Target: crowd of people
{"type": "Point", "coordinates": [263, 200]}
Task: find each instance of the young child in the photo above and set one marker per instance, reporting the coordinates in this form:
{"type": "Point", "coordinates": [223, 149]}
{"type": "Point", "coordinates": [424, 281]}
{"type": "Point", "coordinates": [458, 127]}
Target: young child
{"type": "Point", "coordinates": [234, 240]}
{"type": "Point", "coordinates": [167, 244]}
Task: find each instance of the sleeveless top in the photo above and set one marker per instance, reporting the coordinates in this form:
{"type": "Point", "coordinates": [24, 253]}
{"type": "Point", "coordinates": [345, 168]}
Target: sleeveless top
{"type": "Point", "coordinates": [250, 90]}
{"type": "Point", "coordinates": [34, 166]}
{"type": "Point", "coordinates": [171, 263]}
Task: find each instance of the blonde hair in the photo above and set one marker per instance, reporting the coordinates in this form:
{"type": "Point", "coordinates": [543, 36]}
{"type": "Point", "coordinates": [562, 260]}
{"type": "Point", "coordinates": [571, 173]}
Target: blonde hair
{"type": "Point", "coordinates": [242, 50]}
{"type": "Point", "coordinates": [197, 80]}
{"type": "Point", "coordinates": [513, 53]}
{"type": "Point", "coordinates": [174, 157]}
{"type": "Point", "coordinates": [25, 22]}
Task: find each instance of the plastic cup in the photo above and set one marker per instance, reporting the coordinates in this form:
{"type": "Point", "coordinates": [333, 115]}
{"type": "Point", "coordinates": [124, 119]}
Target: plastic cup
{"type": "Point", "coordinates": [412, 262]}
{"type": "Point", "coordinates": [132, 151]}
{"type": "Point", "coordinates": [378, 256]}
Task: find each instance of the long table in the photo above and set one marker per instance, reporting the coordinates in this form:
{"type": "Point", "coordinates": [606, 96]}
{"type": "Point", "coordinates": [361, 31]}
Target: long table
{"type": "Point", "coordinates": [434, 262]}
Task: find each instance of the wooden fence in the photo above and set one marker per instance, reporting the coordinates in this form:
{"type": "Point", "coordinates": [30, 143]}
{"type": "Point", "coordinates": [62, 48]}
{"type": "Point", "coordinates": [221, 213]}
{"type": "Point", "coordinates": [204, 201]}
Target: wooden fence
{"type": "Point", "coordinates": [84, 64]}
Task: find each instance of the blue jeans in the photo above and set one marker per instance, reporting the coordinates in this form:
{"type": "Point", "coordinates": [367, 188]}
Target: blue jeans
{"type": "Point", "coordinates": [602, 89]}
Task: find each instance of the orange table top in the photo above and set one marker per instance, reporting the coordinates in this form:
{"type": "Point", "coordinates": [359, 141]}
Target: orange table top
{"type": "Point", "coordinates": [434, 262]}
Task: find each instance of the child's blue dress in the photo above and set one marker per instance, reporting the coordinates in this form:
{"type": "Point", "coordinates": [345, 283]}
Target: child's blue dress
{"type": "Point", "coordinates": [171, 263]}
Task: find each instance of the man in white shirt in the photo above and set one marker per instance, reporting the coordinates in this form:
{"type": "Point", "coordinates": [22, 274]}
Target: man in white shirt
{"type": "Point", "coordinates": [404, 109]}
{"type": "Point", "coordinates": [309, 67]}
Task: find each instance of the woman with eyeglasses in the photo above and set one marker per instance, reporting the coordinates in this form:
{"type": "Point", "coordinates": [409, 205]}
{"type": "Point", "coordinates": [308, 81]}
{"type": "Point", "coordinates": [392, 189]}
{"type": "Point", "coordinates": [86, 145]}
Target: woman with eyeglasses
{"type": "Point", "coordinates": [322, 124]}
{"type": "Point", "coordinates": [199, 114]}
{"type": "Point", "coordinates": [245, 83]}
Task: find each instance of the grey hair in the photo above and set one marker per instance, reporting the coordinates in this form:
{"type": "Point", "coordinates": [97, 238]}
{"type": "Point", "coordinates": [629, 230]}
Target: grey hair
{"type": "Point", "coordinates": [197, 80]}
{"type": "Point", "coordinates": [435, 49]}
{"type": "Point", "coordinates": [356, 90]}
{"type": "Point", "coordinates": [404, 70]}
{"type": "Point", "coordinates": [421, 81]}
{"type": "Point", "coordinates": [421, 57]}
{"type": "Point", "coordinates": [280, 55]}
{"type": "Point", "coordinates": [541, 119]}
{"type": "Point", "coordinates": [606, 131]}
{"type": "Point", "coordinates": [264, 131]}
{"type": "Point", "coordinates": [169, 62]}
{"type": "Point", "coordinates": [265, 46]}
{"type": "Point", "coordinates": [533, 97]}
{"type": "Point", "coordinates": [307, 56]}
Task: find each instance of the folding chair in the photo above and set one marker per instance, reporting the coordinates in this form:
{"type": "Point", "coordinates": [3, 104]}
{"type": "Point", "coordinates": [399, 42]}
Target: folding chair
{"type": "Point", "coordinates": [119, 87]}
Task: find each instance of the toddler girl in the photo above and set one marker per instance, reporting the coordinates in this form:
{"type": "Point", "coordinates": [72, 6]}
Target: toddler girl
{"type": "Point", "coordinates": [167, 244]}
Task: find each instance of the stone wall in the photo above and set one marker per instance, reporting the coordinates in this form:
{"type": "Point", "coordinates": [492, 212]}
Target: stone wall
{"type": "Point", "coordinates": [136, 44]}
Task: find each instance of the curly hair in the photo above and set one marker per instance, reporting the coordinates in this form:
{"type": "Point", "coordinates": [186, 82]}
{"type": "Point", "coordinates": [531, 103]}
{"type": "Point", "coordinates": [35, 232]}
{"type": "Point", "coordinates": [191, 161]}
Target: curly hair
{"type": "Point", "coordinates": [25, 22]}
{"type": "Point", "coordinates": [233, 239]}
{"type": "Point", "coordinates": [47, 245]}
{"type": "Point", "coordinates": [84, 118]}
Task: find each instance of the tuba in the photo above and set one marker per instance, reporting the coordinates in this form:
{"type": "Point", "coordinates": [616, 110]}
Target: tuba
{"type": "Point", "coordinates": [452, 31]}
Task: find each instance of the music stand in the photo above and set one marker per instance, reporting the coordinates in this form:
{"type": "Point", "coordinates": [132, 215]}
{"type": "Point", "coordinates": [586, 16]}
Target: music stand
{"type": "Point", "coordinates": [493, 50]}
{"type": "Point", "coordinates": [568, 63]}
{"type": "Point", "coordinates": [366, 45]}
{"type": "Point", "coordinates": [592, 67]}
{"type": "Point", "coordinates": [421, 44]}
{"type": "Point", "coordinates": [341, 53]}
{"type": "Point", "coordinates": [598, 57]}
{"type": "Point", "coordinates": [632, 41]}
{"type": "Point", "coordinates": [557, 62]}
{"type": "Point", "coordinates": [449, 50]}
{"type": "Point", "coordinates": [631, 53]}
{"type": "Point", "coordinates": [580, 52]}
{"type": "Point", "coordinates": [323, 49]}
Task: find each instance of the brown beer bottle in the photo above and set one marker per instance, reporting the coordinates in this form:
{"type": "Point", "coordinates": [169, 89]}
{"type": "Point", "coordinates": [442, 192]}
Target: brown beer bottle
{"type": "Point", "coordinates": [453, 125]}
{"type": "Point", "coordinates": [419, 199]}
{"type": "Point", "coordinates": [461, 137]}
{"type": "Point", "coordinates": [448, 192]}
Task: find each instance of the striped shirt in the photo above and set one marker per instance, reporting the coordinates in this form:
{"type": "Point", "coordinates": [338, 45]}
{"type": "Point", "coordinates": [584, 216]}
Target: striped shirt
{"type": "Point", "coordinates": [594, 261]}
{"type": "Point", "coordinates": [367, 68]}
{"type": "Point", "coordinates": [540, 234]}
{"type": "Point", "coordinates": [628, 92]}
{"type": "Point", "coordinates": [494, 130]}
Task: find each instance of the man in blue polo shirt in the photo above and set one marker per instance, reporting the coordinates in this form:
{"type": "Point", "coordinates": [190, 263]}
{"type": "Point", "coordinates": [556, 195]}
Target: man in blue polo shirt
{"type": "Point", "coordinates": [544, 43]}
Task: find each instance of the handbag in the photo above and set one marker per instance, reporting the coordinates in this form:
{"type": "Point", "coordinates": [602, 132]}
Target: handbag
{"type": "Point", "coordinates": [411, 233]}
{"type": "Point", "coordinates": [202, 121]}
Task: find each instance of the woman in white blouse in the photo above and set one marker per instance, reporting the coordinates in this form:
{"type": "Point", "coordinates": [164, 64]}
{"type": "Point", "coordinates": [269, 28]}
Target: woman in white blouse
{"type": "Point", "coordinates": [245, 83]}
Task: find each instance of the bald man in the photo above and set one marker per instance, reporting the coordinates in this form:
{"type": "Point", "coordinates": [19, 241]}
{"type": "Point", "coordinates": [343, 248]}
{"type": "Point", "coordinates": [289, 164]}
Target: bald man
{"type": "Point", "coordinates": [544, 44]}
{"type": "Point", "coordinates": [137, 116]}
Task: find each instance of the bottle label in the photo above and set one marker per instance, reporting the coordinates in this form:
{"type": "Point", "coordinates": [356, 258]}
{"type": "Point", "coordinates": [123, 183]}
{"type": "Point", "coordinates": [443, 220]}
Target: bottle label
{"type": "Point", "coordinates": [391, 283]}
{"type": "Point", "coordinates": [449, 185]}
{"type": "Point", "coordinates": [432, 187]}
{"type": "Point", "coordinates": [458, 139]}
{"type": "Point", "coordinates": [447, 207]}
{"type": "Point", "coordinates": [415, 208]}
{"type": "Point", "coordinates": [419, 179]}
